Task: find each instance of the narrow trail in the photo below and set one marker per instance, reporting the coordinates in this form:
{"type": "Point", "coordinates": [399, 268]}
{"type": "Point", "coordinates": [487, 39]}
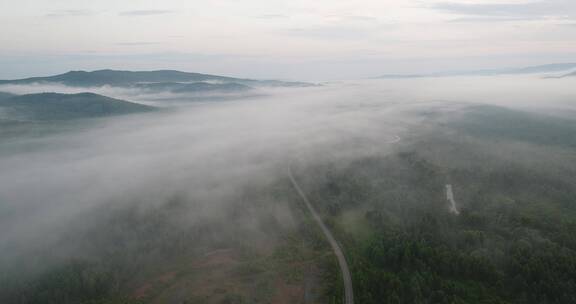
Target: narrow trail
{"type": "Point", "coordinates": [450, 197]}
{"type": "Point", "coordinates": [346, 277]}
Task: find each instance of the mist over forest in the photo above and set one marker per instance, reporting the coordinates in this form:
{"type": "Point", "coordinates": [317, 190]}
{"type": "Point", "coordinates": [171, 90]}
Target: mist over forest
{"type": "Point", "coordinates": [288, 152]}
{"type": "Point", "coordinates": [129, 194]}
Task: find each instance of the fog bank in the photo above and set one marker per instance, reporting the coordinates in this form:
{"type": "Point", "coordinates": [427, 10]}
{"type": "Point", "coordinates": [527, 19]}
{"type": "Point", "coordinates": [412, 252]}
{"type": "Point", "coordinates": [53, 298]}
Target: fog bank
{"type": "Point", "coordinates": [209, 152]}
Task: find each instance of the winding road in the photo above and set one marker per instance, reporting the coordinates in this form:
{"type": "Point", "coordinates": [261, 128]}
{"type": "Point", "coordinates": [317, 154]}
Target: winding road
{"type": "Point", "coordinates": [346, 277]}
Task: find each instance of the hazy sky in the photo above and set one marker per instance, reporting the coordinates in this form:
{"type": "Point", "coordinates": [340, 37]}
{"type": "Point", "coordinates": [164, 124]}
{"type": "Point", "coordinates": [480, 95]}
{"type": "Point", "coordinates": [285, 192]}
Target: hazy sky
{"type": "Point", "coordinates": [292, 39]}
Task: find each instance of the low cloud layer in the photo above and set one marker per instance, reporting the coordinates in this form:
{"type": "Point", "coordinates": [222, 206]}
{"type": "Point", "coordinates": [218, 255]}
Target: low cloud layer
{"type": "Point", "coordinates": [208, 152]}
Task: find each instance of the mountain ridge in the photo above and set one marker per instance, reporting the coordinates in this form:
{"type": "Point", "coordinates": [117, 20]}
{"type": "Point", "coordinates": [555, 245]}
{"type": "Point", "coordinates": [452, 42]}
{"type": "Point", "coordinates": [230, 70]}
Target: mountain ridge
{"type": "Point", "coordinates": [121, 78]}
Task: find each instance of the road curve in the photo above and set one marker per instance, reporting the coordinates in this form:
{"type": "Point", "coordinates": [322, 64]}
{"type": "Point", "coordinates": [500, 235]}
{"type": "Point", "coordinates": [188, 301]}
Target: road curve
{"type": "Point", "coordinates": [346, 277]}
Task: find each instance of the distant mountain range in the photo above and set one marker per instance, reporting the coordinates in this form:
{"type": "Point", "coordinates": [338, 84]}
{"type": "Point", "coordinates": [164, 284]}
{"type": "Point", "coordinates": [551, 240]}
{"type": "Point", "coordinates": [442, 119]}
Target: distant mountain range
{"type": "Point", "coordinates": [57, 107]}
{"type": "Point", "coordinates": [548, 68]}
{"type": "Point", "coordinates": [54, 106]}
{"type": "Point", "coordinates": [162, 79]}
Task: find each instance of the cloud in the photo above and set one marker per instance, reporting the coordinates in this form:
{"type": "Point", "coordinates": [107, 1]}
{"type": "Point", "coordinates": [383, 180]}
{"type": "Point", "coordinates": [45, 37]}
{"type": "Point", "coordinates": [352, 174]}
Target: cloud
{"type": "Point", "coordinates": [70, 13]}
{"type": "Point", "coordinates": [145, 12]}
{"type": "Point", "coordinates": [272, 16]}
{"type": "Point", "coordinates": [489, 19]}
{"type": "Point", "coordinates": [330, 32]}
{"type": "Point", "coordinates": [361, 18]}
{"type": "Point", "coordinates": [137, 43]}
{"type": "Point", "coordinates": [561, 9]}
{"type": "Point", "coordinates": [352, 18]}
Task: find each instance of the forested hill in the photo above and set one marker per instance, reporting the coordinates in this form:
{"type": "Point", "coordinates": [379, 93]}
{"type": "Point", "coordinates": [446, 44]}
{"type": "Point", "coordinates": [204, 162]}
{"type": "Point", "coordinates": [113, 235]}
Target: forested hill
{"type": "Point", "coordinates": [54, 106]}
{"type": "Point", "coordinates": [507, 124]}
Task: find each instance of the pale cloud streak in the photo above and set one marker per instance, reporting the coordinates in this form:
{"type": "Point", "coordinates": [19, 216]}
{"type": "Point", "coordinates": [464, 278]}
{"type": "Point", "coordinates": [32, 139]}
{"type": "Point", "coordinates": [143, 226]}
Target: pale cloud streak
{"type": "Point", "coordinates": [71, 13]}
{"type": "Point", "coordinates": [560, 9]}
{"type": "Point", "coordinates": [145, 12]}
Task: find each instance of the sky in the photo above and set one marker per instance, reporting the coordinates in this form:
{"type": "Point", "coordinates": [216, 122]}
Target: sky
{"type": "Point", "coordinates": [283, 39]}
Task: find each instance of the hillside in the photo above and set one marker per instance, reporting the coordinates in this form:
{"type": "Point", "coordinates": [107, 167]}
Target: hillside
{"type": "Point", "coordinates": [54, 106]}
{"type": "Point", "coordinates": [506, 124]}
{"type": "Point", "coordinates": [4, 95]}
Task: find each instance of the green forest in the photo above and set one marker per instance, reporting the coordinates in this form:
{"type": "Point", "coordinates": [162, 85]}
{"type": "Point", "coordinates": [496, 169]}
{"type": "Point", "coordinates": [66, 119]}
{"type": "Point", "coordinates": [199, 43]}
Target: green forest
{"type": "Point", "coordinates": [513, 242]}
